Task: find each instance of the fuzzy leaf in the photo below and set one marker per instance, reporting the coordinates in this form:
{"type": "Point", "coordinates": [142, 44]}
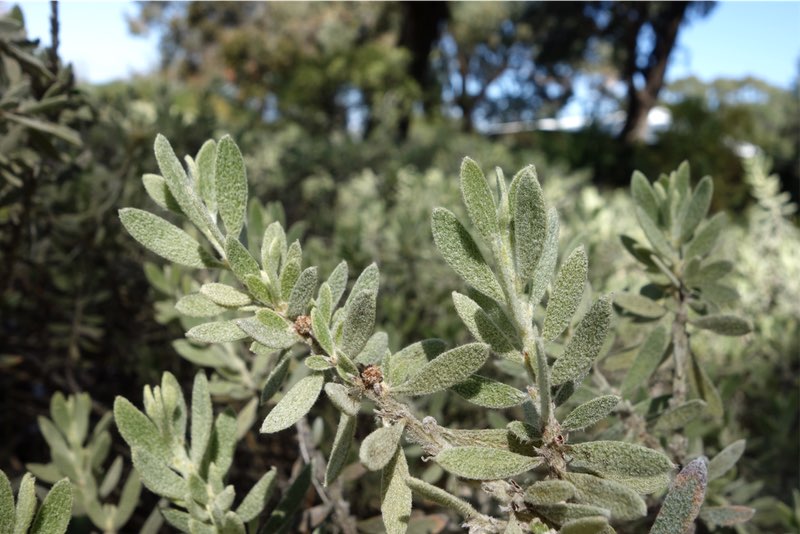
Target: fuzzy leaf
{"type": "Point", "coordinates": [368, 280]}
{"type": "Point", "coordinates": [643, 195]}
{"type": "Point", "coordinates": [231, 181]}
{"type": "Point", "coordinates": [590, 412]}
{"type": "Point", "coordinates": [639, 305]}
{"type": "Point", "coordinates": [441, 497]}
{"type": "Point", "coordinates": [280, 519]}
{"type": "Point", "coordinates": [683, 501]}
{"type": "Point", "coordinates": [549, 492]}
{"type": "Point", "coordinates": [482, 328]}
{"type": "Point", "coordinates": [705, 388]}
{"type": "Point", "coordinates": [156, 187]}
{"type": "Point", "coordinates": [408, 361]}
{"type": "Point", "coordinates": [379, 447]}
{"type": "Point", "coordinates": [269, 329]}
{"type": "Point", "coordinates": [202, 418]}
{"type": "Point", "coordinates": [680, 416]}
{"type": "Point", "coordinates": [395, 495]}
{"type": "Point", "coordinates": [623, 503]}
{"type": "Point", "coordinates": [157, 476]}
{"type": "Point", "coordinates": [290, 272]}
{"type": "Point", "coordinates": [197, 305]}
{"type": "Point", "coordinates": [56, 510]}
{"type": "Point", "coordinates": [275, 378]}
{"type": "Point", "coordinates": [726, 516]}
{"type": "Point", "coordinates": [479, 199]}
{"type": "Point", "coordinates": [646, 362]}
{"type": "Point", "coordinates": [302, 293]}
{"type": "Point", "coordinates": [587, 525]}
{"type": "Point", "coordinates": [654, 235]}
{"type": "Point", "coordinates": [705, 239]}
{"type": "Point", "coordinates": [256, 499]}
{"type": "Point", "coordinates": [725, 459]}
{"type": "Point", "coordinates": [374, 350]}
{"type": "Point", "coordinates": [206, 180]}
{"type": "Point", "coordinates": [484, 463]}
{"type": "Point", "coordinates": [343, 401]}
{"type": "Point", "coordinates": [358, 323]}
{"type": "Point", "coordinates": [337, 281]}
{"type": "Point", "coordinates": [317, 363]}
{"type": "Point", "coordinates": [585, 344]}
{"type": "Point", "coordinates": [567, 292]}
{"type": "Point", "coordinates": [241, 262]}
{"type": "Point", "coordinates": [137, 430]}
{"type": "Point", "coordinates": [164, 238]}
{"type": "Point", "coordinates": [623, 462]}
{"type": "Point", "coordinates": [563, 512]}
{"type": "Point", "coordinates": [26, 505]}
{"type": "Point", "coordinates": [530, 222]}
{"type": "Point", "coordinates": [726, 325]}
{"type": "Point", "coordinates": [546, 266]}
{"type": "Point", "coordinates": [345, 433]}
{"type": "Point", "coordinates": [128, 499]}
{"type": "Point", "coordinates": [489, 393]}
{"type": "Point", "coordinates": [294, 405]}
{"type": "Point", "coordinates": [446, 370]}
{"type": "Point", "coordinates": [697, 209]}
{"type": "Point", "coordinates": [462, 255]}
{"type": "Point", "coordinates": [225, 295]}
{"type": "Point", "coordinates": [321, 331]}
{"type": "Point", "coordinates": [216, 332]}
{"type": "Point", "coordinates": [223, 441]}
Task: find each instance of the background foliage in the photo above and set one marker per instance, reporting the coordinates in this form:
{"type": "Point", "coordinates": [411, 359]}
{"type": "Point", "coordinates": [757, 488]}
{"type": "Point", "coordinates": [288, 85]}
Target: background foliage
{"type": "Point", "coordinates": [358, 131]}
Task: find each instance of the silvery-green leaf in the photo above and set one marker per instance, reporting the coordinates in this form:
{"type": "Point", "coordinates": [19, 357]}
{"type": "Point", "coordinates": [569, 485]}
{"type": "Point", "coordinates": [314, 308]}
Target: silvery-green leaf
{"type": "Point", "coordinates": [156, 187]}
{"type": "Point", "coordinates": [584, 345]}
{"type": "Point", "coordinates": [324, 303]}
{"type": "Point", "coordinates": [290, 272]}
{"type": "Point", "coordinates": [340, 398]}
{"type": "Point", "coordinates": [461, 253]}
{"type": "Point", "coordinates": [280, 518]}
{"type": "Point", "coordinates": [549, 492]}
{"type": "Point", "coordinates": [56, 510]}
{"type": "Point", "coordinates": [206, 182]}
{"type": "Point", "coordinates": [590, 412]}
{"type": "Point", "coordinates": [484, 463]}
{"type": "Point", "coordinates": [489, 393]}
{"type": "Point", "coordinates": [567, 293]}
{"type": "Point", "coordinates": [697, 208]}
{"type": "Point", "coordinates": [223, 443]}
{"type": "Point", "coordinates": [55, 440]}
{"type": "Point", "coordinates": [408, 361]}
{"type": "Point", "coordinates": [623, 462]}
{"type": "Point", "coordinates": [490, 437]}
{"type": "Point", "coordinates": [203, 357]}
{"type": "Point", "coordinates": [275, 378]}
{"type": "Point", "coordinates": [680, 416]}
{"type": "Point", "coordinates": [639, 305]}
{"type": "Point", "coordinates": [262, 291]}
{"type": "Point", "coordinates": [317, 363]}
{"type": "Point", "coordinates": [726, 325]}
{"type": "Point", "coordinates": [321, 331]}
{"type": "Point", "coordinates": [530, 222]}
{"type": "Point", "coordinates": [200, 527]}
{"type": "Point", "coordinates": [256, 499]}
{"type": "Point", "coordinates": [563, 512]}
{"type": "Point", "coordinates": [683, 501]}
{"type": "Point", "coordinates": [523, 431]}
{"type": "Point", "coordinates": [705, 388]}
{"type": "Point", "coordinates": [374, 350]}
{"type": "Point", "coordinates": [654, 235]}
{"type": "Point", "coordinates": [440, 496]}
{"type": "Point", "coordinates": [128, 499]}
{"type": "Point", "coordinates": [137, 430]}
{"type": "Point", "coordinates": [709, 273]}
{"type": "Point", "coordinates": [176, 518]}
{"type": "Point", "coordinates": [587, 525]}
{"type": "Point", "coordinates": [269, 329]}
{"type": "Point", "coordinates": [395, 495]}
{"type": "Point", "coordinates": [725, 459]}
{"type": "Point", "coordinates": [241, 262]}
{"type": "Point", "coordinates": [379, 447]}
{"type": "Point", "coordinates": [111, 478]}
{"type": "Point", "coordinates": [198, 489]}
{"type": "Point", "coordinates": [46, 472]}
{"type": "Point", "coordinates": [202, 418]}
{"type": "Point", "coordinates": [647, 361]}
{"type": "Point", "coordinates": [216, 332]}
{"type": "Point", "coordinates": [345, 433]}
{"type": "Point", "coordinates": [232, 524]}
{"type": "Point", "coordinates": [273, 247]}
{"type": "Point", "coordinates": [726, 516]}
{"type": "Point", "coordinates": [197, 305]}
{"type": "Point", "coordinates": [164, 238]}
{"type": "Point", "coordinates": [546, 266]}
{"type": "Point", "coordinates": [359, 322]}
{"type": "Point", "coordinates": [368, 280]}
{"type": "Point", "coordinates": [643, 195]}
{"type": "Point", "coordinates": [26, 505]}
{"type": "Point", "coordinates": [623, 503]}
{"type": "Point", "coordinates": [705, 239]}
{"type": "Point", "coordinates": [294, 405]}
{"type": "Point", "coordinates": [224, 295]}
{"type": "Point", "coordinates": [157, 476]}
{"type": "Point", "coordinates": [447, 369]}
{"type": "Point", "coordinates": [482, 328]}
{"type": "Point", "coordinates": [246, 417]}
{"type": "Point", "coordinates": [479, 199]}
{"type": "Point", "coordinates": [302, 292]}
{"type": "Point", "coordinates": [231, 181]}
{"type": "Point", "coordinates": [338, 282]}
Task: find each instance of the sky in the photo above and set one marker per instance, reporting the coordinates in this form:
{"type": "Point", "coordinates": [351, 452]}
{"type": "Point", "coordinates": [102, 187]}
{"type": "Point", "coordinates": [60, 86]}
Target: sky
{"type": "Point", "coordinates": [737, 39]}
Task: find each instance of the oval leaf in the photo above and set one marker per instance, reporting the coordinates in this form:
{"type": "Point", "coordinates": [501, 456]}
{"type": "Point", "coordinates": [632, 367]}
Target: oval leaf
{"type": "Point", "coordinates": [379, 447]}
{"type": "Point", "coordinates": [446, 370]}
{"type": "Point", "coordinates": [683, 501]}
{"type": "Point", "coordinates": [567, 293]}
{"type": "Point", "coordinates": [489, 393]}
{"type": "Point", "coordinates": [590, 412]}
{"type": "Point", "coordinates": [585, 344]}
{"type": "Point", "coordinates": [231, 185]}
{"type": "Point", "coordinates": [294, 405]}
{"type": "Point", "coordinates": [484, 463]}
{"type": "Point", "coordinates": [479, 199]}
{"type": "Point", "coordinates": [164, 238]}
{"type": "Point", "coordinates": [726, 325]}
{"type": "Point", "coordinates": [530, 222]}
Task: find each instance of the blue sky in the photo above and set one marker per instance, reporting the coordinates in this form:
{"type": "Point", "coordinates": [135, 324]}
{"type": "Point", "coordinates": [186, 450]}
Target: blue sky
{"type": "Point", "coordinates": [738, 39]}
